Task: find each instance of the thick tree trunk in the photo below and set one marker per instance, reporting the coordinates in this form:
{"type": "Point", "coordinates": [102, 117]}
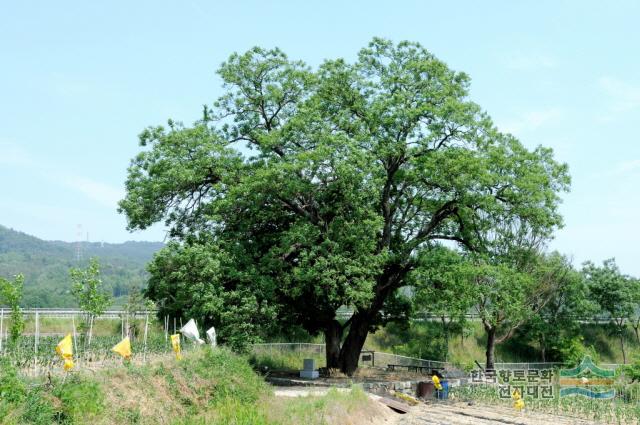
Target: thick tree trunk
{"type": "Point", "coordinates": [491, 345]}
{"type": "Point", "coordinates": [353, 343]}
{"type": "Point", "coordinates": [543, 348]}
{"type": "Point", "coordinates": [333, 337]}
{"type": "Point", "coordinates": [362, 320]}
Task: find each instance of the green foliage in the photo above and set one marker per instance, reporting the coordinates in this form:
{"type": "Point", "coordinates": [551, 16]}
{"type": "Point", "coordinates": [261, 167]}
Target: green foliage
{"type": "Point", "coordinates": [207, 387]}
{"type": "Point", "coordinates": [573, 350]}
{"type": "Point", "coordinates": [88, 289]}
{"type": "Point", "coordinates": [230, 374]}
{"type": "Point", "coordinates": [353, 172]}
{"type": "Point", "coordinates": [616, 411]}
{"type": "Point", "coordinates": [82, 400]}
{"type": "Point", "coordinates": [12, 389]}
{"type": "Point", "coordinates": [282, 359]}
{"type": "Point", "coordinates": [555, 325]}
{"type": "Point", "coordinates": [11, 294]}
{"type": "Point", "coordinates": [21, 403]}
{"type": "Point", "coordinates": [45, 265]}
{"type": "Point", "coordinates": [188, 281]}
{"type": "Point", "coordinates": [614, 293]}
{"type": "Point", "coordinates": [610, 289]}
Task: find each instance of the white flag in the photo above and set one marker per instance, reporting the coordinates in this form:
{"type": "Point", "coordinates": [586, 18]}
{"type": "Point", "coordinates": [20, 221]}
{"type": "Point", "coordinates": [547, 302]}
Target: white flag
{"type": "Point", "coordinates": [190, 330]}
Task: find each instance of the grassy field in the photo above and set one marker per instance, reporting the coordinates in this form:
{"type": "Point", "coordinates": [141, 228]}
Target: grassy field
{"type": "Point", "coordinates": [210, 386]}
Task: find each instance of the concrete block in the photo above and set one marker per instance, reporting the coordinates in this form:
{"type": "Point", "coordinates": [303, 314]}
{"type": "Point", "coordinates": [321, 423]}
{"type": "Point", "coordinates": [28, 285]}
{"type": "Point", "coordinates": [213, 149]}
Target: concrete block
{"type": "Point", "coordinates": [309, 374]}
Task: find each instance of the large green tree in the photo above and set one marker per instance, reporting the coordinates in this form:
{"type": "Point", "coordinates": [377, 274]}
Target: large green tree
{"type": "Point", "coordinates": [347, 174]}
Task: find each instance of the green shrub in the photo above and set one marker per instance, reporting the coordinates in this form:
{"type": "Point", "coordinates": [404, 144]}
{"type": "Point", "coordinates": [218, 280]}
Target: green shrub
{"type": "Point", "coordinates": [38, 408]}
{"type": "Point", "coordinates": [230, 374]}
{"type": "Point", "coordinates": [81, 400]}
{"type": "Point", "coordinates": [573, 351]}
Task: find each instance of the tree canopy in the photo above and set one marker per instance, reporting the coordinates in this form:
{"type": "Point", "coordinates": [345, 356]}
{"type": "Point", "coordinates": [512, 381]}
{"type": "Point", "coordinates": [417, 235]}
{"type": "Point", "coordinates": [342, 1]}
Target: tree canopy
{"type": "Point", "coordinates": [615, 294]}
{"type": "Point", "coordinates": [323, 188]}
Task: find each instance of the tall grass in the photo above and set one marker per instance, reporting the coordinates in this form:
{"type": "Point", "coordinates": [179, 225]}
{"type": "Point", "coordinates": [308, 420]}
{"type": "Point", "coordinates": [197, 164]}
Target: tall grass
{"type": "Point", "coordinates": [209, 386]}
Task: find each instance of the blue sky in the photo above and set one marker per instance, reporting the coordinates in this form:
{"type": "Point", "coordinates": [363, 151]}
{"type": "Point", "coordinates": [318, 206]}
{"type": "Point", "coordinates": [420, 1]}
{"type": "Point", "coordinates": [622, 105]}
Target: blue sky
{"type": "Point", "coordinates": [80, 80]}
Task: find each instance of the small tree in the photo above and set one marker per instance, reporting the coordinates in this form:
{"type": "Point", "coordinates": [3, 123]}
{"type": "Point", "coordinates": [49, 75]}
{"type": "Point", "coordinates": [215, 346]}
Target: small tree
{"type": "Point", "coordinates": [88, 290]}
{"type": "Point", "coordinates": [186, 280]}
{"type": "Point", "coordinates": [614, 293]}
{"type": "Point", "coordinates": [441, 290]}
{"type": "Point", "coordinates": [634, 319]}
{"type": "Point", "coordinates": [555, 329]}
{"type": "Point", "coordinates": [11, 294]}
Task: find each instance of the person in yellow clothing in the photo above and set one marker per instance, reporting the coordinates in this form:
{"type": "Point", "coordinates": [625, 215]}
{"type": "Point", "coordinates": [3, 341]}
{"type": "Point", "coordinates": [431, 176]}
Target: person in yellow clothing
{"type": "Point", "coordinates": [436, 382]}
{"type": "Point", "coordinates": [65, 350]}
{"type": "Point", "coordinates": [123, 348]}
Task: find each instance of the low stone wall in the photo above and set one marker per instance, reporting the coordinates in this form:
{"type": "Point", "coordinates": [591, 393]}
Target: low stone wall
{"type": "Point", "coordinates": [377, 387]}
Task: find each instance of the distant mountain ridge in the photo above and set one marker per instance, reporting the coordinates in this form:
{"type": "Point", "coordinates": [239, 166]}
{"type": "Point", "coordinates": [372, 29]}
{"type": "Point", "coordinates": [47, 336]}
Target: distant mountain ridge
{"type": "Point", "coordinates": [45, 265]}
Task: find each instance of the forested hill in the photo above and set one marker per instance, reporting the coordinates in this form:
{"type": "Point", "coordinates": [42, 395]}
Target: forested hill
{"type": "Point", "coordinates": [45, 265]}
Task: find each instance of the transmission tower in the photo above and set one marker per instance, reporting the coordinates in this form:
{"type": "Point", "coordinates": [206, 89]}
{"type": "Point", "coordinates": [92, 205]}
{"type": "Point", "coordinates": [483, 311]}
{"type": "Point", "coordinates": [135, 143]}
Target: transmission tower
{"type": "Point", "coordinates": [79, 244]}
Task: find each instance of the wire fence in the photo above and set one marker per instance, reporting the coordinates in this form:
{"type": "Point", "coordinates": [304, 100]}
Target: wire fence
{"type": "Point", "coordinates": [33, 353]}
{"type": "Point", "coordinates": [389, 360]}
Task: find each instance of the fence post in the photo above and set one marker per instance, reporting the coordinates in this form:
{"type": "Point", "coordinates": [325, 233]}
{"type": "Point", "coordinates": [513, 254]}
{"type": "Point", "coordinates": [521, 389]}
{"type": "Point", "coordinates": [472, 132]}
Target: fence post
{"type": "Point", "coordinates": [35, 343]}
{"type": "Point", "coordinates": [75, 343]}
{"type": "Point", "coordinates": [146, 327]}
{"type": "Point", "coordinates": [1, 327]}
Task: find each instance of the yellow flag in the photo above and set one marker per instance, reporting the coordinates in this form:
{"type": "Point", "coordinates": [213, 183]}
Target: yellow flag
{"type": "Point", "coordinates": [68, 364]}
{"type": "Point", "coordinates": [123, 348]}
{"type": "Point", "coordinates": [175, 343]}
{"type": "Point", "coordinates": [65, 350]}
{"type": "Point", "coordinates": [65, 347]}
{"type": "Point", "coordinates": [436, 382]}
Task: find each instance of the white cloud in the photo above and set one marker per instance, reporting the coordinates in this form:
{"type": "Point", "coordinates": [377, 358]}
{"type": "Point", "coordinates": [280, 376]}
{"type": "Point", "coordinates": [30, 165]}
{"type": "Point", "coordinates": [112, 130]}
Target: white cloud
{"type": "Point", "coordinates": [102, 193]}
{"type": "Point", "coordinates": [530, 62]}
{"type": "Point", "coordinates": [13, 155]}
{"type": "Point", "coordinates": [626, 167]}
{"type": "Point", "coordinates": [622, 97]}
{"type": "Point", "coordinates": [532, 120]}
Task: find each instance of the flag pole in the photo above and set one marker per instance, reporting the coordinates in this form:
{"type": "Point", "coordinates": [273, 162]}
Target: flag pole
{"type": "Point", "coordinates": [146, 328]}
{"type": "Point", "coordinates": [1, 324]}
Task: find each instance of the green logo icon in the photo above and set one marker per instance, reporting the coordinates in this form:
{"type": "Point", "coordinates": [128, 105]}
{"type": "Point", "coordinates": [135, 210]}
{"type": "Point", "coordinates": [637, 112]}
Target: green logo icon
{"type": "Point", "coordinates": [588, 380]}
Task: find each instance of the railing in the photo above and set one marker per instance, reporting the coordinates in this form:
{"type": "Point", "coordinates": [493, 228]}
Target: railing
{"type": "Point", "coordinates": [367, 357]}
{"type": "Point", "coordinates": [383, 360]}
{"type": "Point", "coordinates": [67, 313]}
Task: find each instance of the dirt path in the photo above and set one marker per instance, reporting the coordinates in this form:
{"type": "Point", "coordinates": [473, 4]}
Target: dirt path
{"type": "Point", "coordinates": [305, 391]}
{"type": "Point", "coordinates": [463, 414]}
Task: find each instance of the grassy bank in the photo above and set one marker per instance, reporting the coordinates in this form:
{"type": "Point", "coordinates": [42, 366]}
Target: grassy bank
{"type": "Point", "coordinates": [424, 339]}
{"type": "Point", "coordinates": [206, 387]}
